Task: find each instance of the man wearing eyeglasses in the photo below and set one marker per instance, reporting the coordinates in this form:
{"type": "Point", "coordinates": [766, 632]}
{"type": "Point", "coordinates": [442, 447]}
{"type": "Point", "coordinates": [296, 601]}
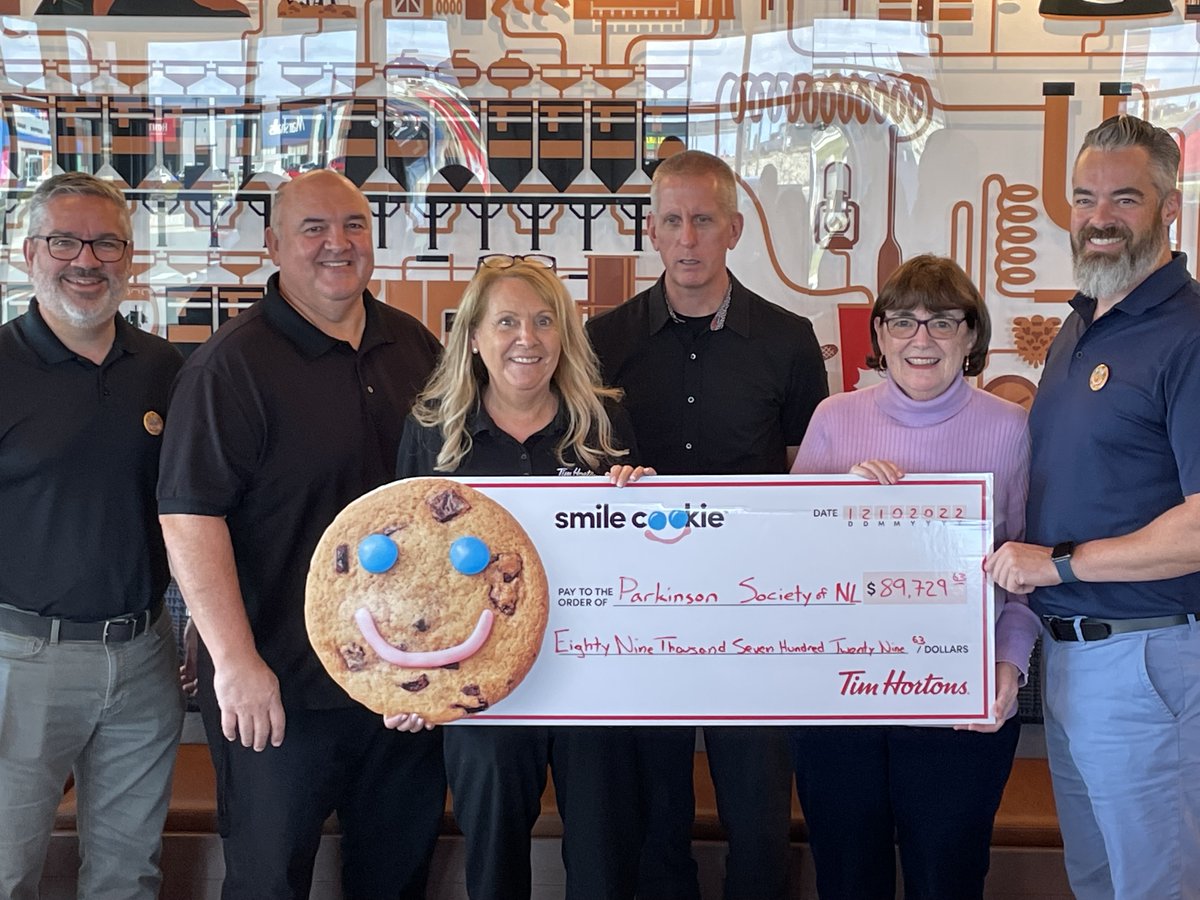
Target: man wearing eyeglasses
{"type": "Point", "coordinates": [717, 380]}
{"type": "Point", "coordinates": [1113, 557]}
{"type": "Point", "coordinates": [285, 415]}
{"type": "Point", "coordinates": [88, 671]}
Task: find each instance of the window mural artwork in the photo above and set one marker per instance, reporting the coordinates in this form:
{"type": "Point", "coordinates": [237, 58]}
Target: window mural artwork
{"type": "Point", "coordinates": [863, 132]}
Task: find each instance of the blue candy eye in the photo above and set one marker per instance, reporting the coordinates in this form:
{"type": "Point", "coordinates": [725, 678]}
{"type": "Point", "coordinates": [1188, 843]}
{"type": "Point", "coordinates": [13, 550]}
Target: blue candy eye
{"type": "Point", "coordinates": [657, 520]}
{"type": "Point", "coordinates": [377, 553]}
{"type": "Point", "coordinates": [470, 555]}
{"type": "Point", "coordinates": [678, 518]}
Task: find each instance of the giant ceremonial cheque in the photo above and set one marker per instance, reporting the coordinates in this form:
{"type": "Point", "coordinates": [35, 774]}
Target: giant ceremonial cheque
{"type": "Point", "coordinates": [767, 599]}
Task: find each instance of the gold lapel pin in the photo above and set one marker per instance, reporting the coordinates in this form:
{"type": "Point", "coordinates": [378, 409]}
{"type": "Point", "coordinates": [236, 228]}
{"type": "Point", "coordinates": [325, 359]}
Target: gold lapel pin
{"type": "Point", "coordinates": [153, 423]}
{"type": "Point", "coordinates": [1099, 377]}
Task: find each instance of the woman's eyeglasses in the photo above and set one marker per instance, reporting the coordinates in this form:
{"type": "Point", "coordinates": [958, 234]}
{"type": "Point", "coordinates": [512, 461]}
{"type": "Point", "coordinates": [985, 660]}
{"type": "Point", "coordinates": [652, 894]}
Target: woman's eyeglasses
{"type": "Point", "coordinates": [907, 326]}
{"type": "Point", "coordinates": [507, 261]}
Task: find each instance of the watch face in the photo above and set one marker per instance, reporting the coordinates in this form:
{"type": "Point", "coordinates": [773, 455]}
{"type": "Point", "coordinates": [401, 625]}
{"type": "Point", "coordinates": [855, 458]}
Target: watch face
{"type": "Point", "coordinates": [1063, 551]}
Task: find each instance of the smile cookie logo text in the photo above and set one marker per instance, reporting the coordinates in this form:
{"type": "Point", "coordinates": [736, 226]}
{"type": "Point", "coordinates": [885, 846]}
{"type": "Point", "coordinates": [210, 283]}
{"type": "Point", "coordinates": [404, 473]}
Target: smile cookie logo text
{"type": "Point", "coordinates": [666, 526]}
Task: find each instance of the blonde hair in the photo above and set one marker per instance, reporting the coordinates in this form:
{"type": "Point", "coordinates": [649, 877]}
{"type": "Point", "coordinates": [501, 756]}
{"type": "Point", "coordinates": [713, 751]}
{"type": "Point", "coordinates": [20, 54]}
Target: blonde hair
{"type": "Point", "coordinates": [455, 390]}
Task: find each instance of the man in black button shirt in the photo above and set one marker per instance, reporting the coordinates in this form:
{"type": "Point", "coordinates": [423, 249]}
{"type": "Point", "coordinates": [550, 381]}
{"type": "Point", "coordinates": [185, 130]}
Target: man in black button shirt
{"type": "Point", "coordinates": [88, 671]}
{"type": "Point", "coordinates": [717, 381]}
{"type": "Point", "coordinates": [285, 415]}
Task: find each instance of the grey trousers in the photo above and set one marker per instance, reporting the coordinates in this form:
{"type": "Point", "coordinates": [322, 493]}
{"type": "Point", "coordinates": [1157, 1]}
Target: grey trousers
{"type": "Point", "coordinates": [110, 713]}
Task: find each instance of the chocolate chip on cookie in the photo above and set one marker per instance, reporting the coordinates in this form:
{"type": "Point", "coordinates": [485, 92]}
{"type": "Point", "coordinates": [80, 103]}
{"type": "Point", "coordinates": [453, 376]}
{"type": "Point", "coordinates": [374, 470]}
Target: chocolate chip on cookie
{"type": "Point", "coordinates": [418, 685]}
{"type": "Point", "coordinates": [470, 710]}
{"type": "Point", "coordinates": [509, 565]}
{"type": "Point", "coordinates": [447, 504]}
{"type": "Point", "coordinates": [354, 656]}
{"type": "Point", "coordinates": [501, 576]}
{"type": "Point", "coordinates": [341, 559]}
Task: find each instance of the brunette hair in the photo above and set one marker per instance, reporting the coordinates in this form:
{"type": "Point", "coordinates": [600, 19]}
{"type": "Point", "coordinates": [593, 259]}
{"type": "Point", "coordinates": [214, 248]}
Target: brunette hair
{"type": "Point", "coordinates": [939, 285]}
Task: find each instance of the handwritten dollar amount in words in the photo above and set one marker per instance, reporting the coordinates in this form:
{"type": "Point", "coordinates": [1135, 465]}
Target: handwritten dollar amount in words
{"type": "Point", "coordinates": [915, 587]}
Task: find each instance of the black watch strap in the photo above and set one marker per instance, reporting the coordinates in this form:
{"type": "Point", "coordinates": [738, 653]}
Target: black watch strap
{"type": "Point", "coordinates": [1061, 557]}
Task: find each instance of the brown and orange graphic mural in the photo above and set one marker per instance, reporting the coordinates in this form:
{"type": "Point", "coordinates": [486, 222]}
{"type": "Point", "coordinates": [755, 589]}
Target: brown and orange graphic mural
{"type": "Point", "coordinates": [862, 132]}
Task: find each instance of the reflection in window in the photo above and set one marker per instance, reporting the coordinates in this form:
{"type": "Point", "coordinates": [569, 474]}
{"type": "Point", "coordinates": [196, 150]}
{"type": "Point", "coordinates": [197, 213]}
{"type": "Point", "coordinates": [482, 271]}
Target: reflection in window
{"type": "Point", "coordinates": [25, 133]}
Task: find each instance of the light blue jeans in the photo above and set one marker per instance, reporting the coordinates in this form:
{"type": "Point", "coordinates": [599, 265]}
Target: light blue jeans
{"type": "Point", "coordinates": [1123, 738]}
{"type": "Point", "coordinates": [110, 713]}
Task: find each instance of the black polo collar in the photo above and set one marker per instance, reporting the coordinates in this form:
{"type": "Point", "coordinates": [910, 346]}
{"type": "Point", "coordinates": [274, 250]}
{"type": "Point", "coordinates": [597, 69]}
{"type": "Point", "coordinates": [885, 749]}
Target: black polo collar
{"type": "Point", "coordinates": [481, 421]}
{"type": "Point", "coordinates": [310, 340]}
{"type": "Point", "coordinates": [35, 331]}
{"type": "Point", "coordinates": [1158, 287]}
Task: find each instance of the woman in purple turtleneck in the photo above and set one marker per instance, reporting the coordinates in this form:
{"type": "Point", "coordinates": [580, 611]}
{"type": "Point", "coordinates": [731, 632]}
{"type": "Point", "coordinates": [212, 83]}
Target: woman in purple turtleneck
{"type": "Point", "coordinates": [932, 791]}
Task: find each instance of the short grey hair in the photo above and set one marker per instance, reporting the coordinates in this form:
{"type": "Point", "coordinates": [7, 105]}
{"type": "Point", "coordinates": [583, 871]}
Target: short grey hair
{"type": "Point", "coordinates": [77, 184]}
{"type": "Point", "coordinates": [697, 164]}
{"type": "Point", "coordinates": [1119, 132]}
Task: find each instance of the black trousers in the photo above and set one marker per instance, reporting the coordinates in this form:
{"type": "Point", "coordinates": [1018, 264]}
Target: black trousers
{"type": "Point", "coordinates": [932, 791]}
{"type": "Point", "coordinates": [751, 771]}
{"type": "Point", "coordinates": [388, 789]}
{"type": "Point", "coordinates": [497, 774]}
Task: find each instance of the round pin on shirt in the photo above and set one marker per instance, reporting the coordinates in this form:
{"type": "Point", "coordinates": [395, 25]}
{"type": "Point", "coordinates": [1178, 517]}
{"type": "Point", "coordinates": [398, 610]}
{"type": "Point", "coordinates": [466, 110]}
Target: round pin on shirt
{"type": "Point", "coordinates": [1099, 377]}
{"type": "Point", "coordinates": [153, 423]}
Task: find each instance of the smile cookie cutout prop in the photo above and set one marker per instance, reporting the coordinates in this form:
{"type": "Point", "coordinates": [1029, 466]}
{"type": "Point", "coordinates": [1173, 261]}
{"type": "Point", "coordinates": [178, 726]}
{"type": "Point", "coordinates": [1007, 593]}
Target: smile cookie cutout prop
{"type": "Point", "coordinates": [424, 596]}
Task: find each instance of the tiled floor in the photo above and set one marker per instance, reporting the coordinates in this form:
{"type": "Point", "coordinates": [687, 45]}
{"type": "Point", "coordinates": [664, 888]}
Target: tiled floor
{"type": "Point", "coordinates": [193, 868]}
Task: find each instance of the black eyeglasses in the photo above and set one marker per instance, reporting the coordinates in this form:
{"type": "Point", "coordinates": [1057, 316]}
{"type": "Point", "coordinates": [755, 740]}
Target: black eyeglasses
{"type": "Point", "coordinates": [66, 249]}
{"type": "Point", "coordinates": [507, 261]}
{"type": "Point", "coordinates": [903, 327]}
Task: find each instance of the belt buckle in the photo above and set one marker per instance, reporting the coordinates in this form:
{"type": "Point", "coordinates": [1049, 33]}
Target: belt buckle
{"type": "Point", "coordinates": [129, 621]}
{"type": "Point", "coordinates": [1071, 628]}
{"type": "Point", "coordinates": [1078, 623]}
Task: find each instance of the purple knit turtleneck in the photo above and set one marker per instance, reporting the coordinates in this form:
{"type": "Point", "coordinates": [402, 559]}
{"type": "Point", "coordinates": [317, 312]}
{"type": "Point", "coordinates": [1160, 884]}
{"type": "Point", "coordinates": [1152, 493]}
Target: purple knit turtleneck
{"type": "Point", "coordinates": [962, 430]}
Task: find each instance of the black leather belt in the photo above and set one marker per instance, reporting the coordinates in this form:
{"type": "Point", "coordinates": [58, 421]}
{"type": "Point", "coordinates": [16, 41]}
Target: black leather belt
{"type": "Point", "coordinates": [1085, 628]}
{"type": "Point", "coordinates": [111, 631]}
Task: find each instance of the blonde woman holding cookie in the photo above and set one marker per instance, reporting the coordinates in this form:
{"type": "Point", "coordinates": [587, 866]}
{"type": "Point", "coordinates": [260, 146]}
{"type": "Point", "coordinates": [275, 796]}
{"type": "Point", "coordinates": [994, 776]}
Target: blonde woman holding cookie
{"type": "Point", "coordinates": [518, 392]}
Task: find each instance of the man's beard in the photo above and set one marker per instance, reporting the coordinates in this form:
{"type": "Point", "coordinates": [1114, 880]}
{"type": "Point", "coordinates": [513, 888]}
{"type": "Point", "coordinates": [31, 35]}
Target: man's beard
{"type": "Point", "coordinates": [51, 295]}
{"type": "Point", "coordinates": [1100, 275]}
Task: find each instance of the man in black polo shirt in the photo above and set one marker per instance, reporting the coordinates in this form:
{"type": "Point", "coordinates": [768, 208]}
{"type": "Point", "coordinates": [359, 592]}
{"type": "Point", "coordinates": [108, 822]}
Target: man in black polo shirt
{"type": "Point", "coordinates": [717, 381]}
{"type": "Point", "coordinates": [286, 414]}
{"type": "Point", "coordinates": [88, 671]}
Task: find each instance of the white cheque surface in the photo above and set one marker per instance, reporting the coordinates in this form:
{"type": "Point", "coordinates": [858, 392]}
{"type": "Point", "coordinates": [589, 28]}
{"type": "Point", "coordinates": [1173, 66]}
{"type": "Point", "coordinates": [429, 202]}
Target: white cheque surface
{"type": "Point", "coordinates": [758, 599]}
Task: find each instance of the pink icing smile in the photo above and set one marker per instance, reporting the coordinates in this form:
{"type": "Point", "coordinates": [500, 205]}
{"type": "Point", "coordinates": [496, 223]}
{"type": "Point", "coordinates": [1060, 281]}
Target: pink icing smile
{"type": "Point", "coordinates": [429, 659]}
{"type": "Point", "coordinates": [675, 540]}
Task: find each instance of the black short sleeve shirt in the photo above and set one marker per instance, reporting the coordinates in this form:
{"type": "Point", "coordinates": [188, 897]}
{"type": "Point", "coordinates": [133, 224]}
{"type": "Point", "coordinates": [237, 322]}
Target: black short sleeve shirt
{"type": "Point", "coordinates": [79, 446]}
{"type": "Point", "coordinates": [279, 427]}
{"type": "Point", "coordinates": [707, 402]}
